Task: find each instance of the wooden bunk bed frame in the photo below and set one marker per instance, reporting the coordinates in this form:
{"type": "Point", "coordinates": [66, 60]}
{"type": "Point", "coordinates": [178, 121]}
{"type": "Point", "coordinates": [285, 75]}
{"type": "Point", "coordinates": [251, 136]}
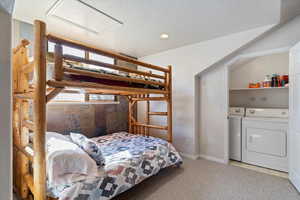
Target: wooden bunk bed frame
{"type": "Point", "coordinates": [30, 183]}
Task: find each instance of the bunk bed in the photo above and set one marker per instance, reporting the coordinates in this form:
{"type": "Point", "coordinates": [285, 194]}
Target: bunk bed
{"type": "Point", "coordinates": [152, 84]}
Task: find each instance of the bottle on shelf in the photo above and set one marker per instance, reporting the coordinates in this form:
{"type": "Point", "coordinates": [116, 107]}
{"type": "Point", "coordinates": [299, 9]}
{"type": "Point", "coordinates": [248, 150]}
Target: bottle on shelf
{"type": "Point", "coordinates": [267, 82]}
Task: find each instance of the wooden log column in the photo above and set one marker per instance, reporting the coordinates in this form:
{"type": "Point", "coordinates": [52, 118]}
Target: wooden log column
{"type": "Point", "coordinates": [169, 102]}
{"type": "Point", "coordinates": [39, 163]}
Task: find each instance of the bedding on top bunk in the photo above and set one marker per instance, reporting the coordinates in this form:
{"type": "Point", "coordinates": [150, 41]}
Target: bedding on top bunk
{"type": "Point", "coordinates": [128, 160]}
{"type": "Point", "coordinates": [106, 81]}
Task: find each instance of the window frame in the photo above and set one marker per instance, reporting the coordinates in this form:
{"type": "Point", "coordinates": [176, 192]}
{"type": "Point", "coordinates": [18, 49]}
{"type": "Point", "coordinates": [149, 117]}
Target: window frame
{"type": "Point", "coordinates": [85, 99]}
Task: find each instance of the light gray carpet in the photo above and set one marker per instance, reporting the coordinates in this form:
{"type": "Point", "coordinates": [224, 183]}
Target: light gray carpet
{"type": "Point", "coordinates": [206, 180]}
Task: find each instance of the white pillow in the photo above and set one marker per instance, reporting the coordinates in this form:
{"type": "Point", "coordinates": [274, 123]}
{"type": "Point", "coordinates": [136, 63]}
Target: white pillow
{"type": "Point", "coordinates": [65, 158]}
{"type": "Point", "coordinates": [89, 146]}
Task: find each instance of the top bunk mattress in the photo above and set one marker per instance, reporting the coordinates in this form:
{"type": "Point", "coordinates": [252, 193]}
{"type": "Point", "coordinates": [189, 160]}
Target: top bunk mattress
{"type": "Point", "coordinates": [114, 73]}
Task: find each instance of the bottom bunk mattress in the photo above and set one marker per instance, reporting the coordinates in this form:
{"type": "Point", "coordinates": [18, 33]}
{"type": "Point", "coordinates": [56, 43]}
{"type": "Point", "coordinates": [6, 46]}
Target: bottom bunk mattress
{"type": "Point", "coordinates": [129, 159]}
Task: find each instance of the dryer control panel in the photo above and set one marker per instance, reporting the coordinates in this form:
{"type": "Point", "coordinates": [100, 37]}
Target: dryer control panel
{"type": "Point", "coordinates": [267, 112]}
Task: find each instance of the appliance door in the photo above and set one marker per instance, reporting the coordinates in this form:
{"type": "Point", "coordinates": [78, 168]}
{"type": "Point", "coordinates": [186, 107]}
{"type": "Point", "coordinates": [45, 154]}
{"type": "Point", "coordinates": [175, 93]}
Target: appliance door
{"type": "Point", "coordinates": [264, 143]}
{"type": "Point", "coordinates": [235, 138]}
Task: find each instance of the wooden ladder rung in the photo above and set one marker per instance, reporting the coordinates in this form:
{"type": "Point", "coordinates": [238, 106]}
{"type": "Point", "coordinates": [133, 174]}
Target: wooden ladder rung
{"type": "Point", "coordinates": [28, 124]}
{"type": "Point", "coordinates": [151, 126]}
{"type": "Point", "coordinates": [28, 67]}
{"type": "Point", "coordinates": [29, 181]}
{"type": "Point", "coordinates": [26, 95]}
{"type": "Point", "coordinates": [25, 150]}
{"type": "Point", "coordinates": [158, 113]}
{"type": "Point", "coordinates": [150, 99]}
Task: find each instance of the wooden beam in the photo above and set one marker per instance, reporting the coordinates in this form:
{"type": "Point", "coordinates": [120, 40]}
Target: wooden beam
{"type": "Point", "coordinates": [105, 88]}
{"type": "Point", "coordinates": [58, 62]}
{"type": "Point", "coordinates": [39, 164]}
{"type": "Point", "coordinates": [152, 126]}
{"type": "Point", "coordinates": [150, 99]}
{"type": "Point", "coordinates": [93, 49]}
{"type": "Point", "coordinates": [22, 95]}
{"type": "Point", "coordinates": [147, 115]}
{"type": "Point", "coordinates": [110, 66]}
{"type": "Point", "coordinates": [111, 77]}
{"type": "Point", "coordinates": [130, 113]}
{"type": "Point", "coordinates": [53, 94]}
{"type": "Point", "coordinates": [170, 121]}
{"type": "Point", "coordinates": [159, 113]}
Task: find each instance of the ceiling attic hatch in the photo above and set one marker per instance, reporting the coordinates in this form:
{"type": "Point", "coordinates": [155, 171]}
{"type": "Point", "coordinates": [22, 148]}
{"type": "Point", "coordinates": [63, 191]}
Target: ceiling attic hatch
{"type": "Point", "coordinates": [84, 16]}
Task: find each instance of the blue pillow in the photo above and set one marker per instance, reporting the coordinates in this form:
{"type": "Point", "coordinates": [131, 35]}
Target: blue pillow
{"type": "Point", "coordinates": [88, 146]}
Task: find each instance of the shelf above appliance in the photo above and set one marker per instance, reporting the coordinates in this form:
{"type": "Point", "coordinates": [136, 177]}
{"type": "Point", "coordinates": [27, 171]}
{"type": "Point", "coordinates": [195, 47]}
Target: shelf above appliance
{"type": "Point", "coordinates": [247, 89]}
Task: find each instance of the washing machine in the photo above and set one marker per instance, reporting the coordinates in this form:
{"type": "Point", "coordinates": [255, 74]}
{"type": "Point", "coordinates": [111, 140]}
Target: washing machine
{"type": "Point", "coordinates": [264, 138]}
{"type": "Point", "coordinates": [235, 132]}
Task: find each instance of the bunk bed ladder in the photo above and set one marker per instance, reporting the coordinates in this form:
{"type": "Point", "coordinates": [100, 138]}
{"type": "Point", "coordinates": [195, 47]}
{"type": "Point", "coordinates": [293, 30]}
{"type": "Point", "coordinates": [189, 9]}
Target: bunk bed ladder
{"type": "Point", "coordinates": [144, 128]}
{"type": "Point", "coordinates": [28, 179]}
{"type": "Point", "coordinates": [20, 116]}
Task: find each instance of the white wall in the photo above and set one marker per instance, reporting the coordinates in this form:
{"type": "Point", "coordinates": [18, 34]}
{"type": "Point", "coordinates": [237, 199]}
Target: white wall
{"type": "Point", "coordinates": [213, 113]}
{"type": "Point", "coordinates": [190, 60]}
{"type": "Point", "coordinates": [5, 107]}
{"type": "Point", "coordinates": [285, 36]}
{"type": "Point", "coordinates": [187, 62]}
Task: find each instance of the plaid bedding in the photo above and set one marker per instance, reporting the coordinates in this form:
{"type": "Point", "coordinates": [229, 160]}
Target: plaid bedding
{"type": "Point", "coordinates": [116, 73]}
{"type": "Point", "coordinates": [129, 159]}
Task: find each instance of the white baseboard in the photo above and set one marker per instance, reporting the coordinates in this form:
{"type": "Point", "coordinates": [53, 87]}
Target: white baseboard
{"type": "Point", "coordinates": [190, 156]}
{"type": "Point", "coordinates": [295, 179]}
{"type": "Point", "coordinates": [211, 158]}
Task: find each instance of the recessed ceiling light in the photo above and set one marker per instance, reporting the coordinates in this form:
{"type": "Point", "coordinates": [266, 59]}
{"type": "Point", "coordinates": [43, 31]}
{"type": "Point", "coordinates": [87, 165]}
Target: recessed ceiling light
{"type": "Point", "coordinates": [164, 36]}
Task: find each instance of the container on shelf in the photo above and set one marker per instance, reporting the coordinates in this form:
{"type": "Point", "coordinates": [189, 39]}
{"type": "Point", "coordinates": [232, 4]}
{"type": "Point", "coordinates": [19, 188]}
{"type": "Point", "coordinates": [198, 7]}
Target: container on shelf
{"type": "Point", "coordinates": [267, 82]}
{"type": "Point", "coordinates": [254, 85]}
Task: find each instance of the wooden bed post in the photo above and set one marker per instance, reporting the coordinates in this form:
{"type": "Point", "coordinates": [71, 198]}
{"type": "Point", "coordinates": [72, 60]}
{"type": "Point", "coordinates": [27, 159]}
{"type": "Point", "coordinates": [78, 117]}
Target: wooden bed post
{"type": "Point", "coordinates": [129, 114]}
{"type": "Point", "coordinates": [39, 162]}
{"type": "Point", "coordinates": [147, 115]}
{"type": "Point", "coordinates": [58, 62]}
{"type": "Point", "coordinates": [169, 102]}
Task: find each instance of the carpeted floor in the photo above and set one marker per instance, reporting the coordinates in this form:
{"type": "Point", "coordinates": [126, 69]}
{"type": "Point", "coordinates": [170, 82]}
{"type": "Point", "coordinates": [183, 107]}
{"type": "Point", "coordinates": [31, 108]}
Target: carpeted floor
{"type": "Point", "coordinates": [206, 180]}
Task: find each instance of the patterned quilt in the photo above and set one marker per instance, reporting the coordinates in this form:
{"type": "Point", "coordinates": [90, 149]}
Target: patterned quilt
{"type": "Point", "coordinates": [129, 159]}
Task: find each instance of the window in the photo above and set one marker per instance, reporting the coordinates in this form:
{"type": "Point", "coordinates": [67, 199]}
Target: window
{"type": "Point", "coordinates": [67, 50]}
{"type": "Point", "coordinates": [70, 97]}
{"type": "Point", "coordinates": [81, 97]}
{"type": "Point", "coordinates": [51, 47]}
{"type": "Point", "coordinates": [73, 51]}
{"type": "Point", "coordinates": [97, 97]}
{"type": "Point", "coordinates": [101, 58]}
